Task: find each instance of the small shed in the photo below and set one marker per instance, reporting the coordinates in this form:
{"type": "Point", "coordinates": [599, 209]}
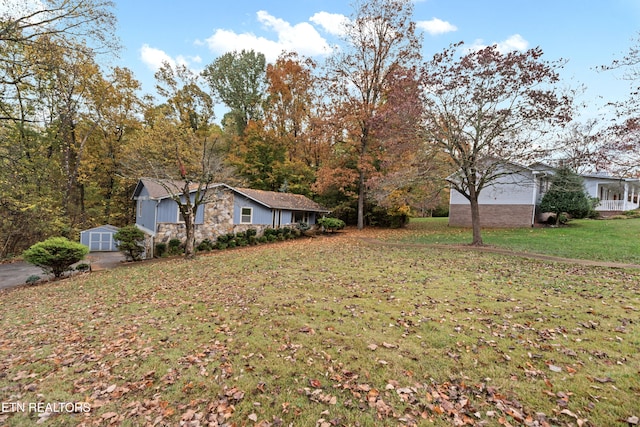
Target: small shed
{"type": "Point", "coordinates": [99, 239]}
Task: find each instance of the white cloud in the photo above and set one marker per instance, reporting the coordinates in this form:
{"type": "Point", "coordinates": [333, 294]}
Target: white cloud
{"type": "Point", "coordinates": [302, 38]}
{"type": "Point", "coordinates": [332, 23]}
{"type": "Point", "coordinates": [514, 42]}
{"type": "Point", "coordinates": [154, 58]}
{"type": "Point", "coordinates": [436, 26]}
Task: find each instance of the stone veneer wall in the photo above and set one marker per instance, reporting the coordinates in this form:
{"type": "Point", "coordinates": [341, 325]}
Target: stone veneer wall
{"type": "Point", "coordinates": [218, 220]}
{"type": "Point", "coordinates": [492, 215]}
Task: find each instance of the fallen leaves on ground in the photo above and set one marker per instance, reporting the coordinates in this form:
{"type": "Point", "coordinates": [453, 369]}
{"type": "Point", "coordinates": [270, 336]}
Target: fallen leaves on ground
{"type": "Point", "coordinates": [269, 337]}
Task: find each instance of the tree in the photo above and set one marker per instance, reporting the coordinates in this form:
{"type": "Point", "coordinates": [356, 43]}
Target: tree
{"type": "Point", "coordinates": [177, 146]}
{"type": "Point", "coordinates": [566, 194]}
{"type": "Point", "coordinates": [292, 118]}
{"type": "Point", "coordinates": [43, 46]}
{"type": "Point", "coordinates": [238, 80]}
{"type": "Point", "coordinates": [407, 179]}
{"type": "Point", "coordinates": [621, 140]}
{"type": "Point", "coordinates": [55, 255]}
{"type": "Point", "coordinates": [379, 39]}
{"type": "Point", "coordinates": [90, 21]}
{"type": "Point", "coordinates": [488, 109]}
{"type": "Point", "coordinates": [106, 190]}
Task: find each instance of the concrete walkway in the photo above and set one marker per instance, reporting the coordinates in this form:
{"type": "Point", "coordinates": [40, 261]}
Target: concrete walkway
{"type": "Point", "coordinates": [16, 273]}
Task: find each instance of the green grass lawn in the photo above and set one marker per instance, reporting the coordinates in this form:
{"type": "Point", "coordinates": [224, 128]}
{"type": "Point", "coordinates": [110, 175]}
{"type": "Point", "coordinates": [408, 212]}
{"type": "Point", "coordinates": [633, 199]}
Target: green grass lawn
{"type": "Point", "coordinates": [329, 331]}
{"type": "Point", "coordinates": [602, 240]}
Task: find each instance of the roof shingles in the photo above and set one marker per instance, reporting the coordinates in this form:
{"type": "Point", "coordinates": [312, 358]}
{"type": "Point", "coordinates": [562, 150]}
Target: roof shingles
{"type": "Point", "coordinates": [160, 189]}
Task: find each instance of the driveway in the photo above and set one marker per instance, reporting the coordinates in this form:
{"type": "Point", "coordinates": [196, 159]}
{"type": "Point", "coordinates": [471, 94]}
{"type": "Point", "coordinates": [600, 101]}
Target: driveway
{"type": "Point", "coordinates": [16, 273]}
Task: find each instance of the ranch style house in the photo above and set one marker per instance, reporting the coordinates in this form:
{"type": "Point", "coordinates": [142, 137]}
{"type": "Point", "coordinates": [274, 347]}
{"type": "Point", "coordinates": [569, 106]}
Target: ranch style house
{"type": "Point", "coordinates": [512, 200]}
{"type": "Point", "coordinates": [226, 210]}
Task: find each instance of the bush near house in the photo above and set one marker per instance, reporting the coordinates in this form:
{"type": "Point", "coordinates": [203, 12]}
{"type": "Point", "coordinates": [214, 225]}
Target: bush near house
{"type": "Point", "coordinates": [130, 242]}
{"type": "Point", "coordinates": [331, 224]}
{"type": "Point", "coordinates": [55, 255]}
{"type": "Point", "coordinates": [567, 196]}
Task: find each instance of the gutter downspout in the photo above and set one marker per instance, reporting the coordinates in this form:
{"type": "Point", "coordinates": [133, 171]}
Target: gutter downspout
{"type": "Point", "coordinates": [534, 197]}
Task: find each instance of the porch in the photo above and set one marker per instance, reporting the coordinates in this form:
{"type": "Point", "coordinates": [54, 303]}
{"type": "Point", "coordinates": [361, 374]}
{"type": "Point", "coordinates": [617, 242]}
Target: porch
{"type": "Point", "coordinates": [619, 196]}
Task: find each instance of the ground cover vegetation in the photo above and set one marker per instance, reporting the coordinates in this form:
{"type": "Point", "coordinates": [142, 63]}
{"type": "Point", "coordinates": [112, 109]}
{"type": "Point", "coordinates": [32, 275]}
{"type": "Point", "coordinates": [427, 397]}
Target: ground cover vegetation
{"type": "Point", "coordinates": [331, 331]}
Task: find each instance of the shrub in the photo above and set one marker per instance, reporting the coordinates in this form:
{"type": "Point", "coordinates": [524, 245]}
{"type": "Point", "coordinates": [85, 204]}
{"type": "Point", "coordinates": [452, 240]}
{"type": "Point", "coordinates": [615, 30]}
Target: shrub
{"type": "Point", "coordinates": [32, 279]}
{"type": "Point", "coordinates": [388, 217]}
{"type": "Point", "coordinates": [331, 224]}
{"type": "Point", "coordinates": [303, 226]}
{"type": "Point", "coordinates": [130, 242]}
{"type": "Point", "coordinates": [83, 267]}
{"type": "Point", "coordinates": [205, 245]}
{"type": "Point", "coordinates": [55, 255]}
{"type": "Point", "coordinates": [567, 195]}
{"type": "Point", "coordinates": [161, 249]}
{"type": "Point", "coordinates": [174, 247]}
{"type": "Point", "coordinates": [251, 232]}
{"type": "Point", "coordinates": [224, 238]}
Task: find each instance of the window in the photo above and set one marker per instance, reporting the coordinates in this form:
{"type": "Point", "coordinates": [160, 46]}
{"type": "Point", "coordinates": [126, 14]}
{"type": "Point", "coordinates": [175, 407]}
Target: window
{"type": "Point", "coordinates": [245, 215]}
{"type": "Point", "coordinates": [299, 217]}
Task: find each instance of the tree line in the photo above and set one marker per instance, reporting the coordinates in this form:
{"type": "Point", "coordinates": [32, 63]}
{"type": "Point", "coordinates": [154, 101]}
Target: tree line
{"type": "Point", "coordinates": [372, 132]}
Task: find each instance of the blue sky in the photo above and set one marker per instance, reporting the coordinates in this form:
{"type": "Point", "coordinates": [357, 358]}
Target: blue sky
{"type": "Point", "coordinates": [195, 32]}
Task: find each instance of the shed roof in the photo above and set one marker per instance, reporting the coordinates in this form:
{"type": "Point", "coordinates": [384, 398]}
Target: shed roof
{"type": "Point", "coordinates": [104, 228]}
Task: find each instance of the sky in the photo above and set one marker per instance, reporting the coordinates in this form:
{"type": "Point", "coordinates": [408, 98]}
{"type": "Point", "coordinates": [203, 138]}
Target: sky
{"type": "Point", "coordinates": [586, 33]}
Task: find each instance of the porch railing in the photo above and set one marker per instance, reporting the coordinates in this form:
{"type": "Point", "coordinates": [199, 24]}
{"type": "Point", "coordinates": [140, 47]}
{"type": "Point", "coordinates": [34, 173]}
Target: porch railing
{"type": "Point", "coordinates": [616, 205]}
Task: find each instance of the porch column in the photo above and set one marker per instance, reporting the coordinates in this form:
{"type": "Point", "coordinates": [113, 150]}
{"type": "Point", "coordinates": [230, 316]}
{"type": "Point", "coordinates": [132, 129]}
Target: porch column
{"type": "Point", "coordinates": [626, 196]}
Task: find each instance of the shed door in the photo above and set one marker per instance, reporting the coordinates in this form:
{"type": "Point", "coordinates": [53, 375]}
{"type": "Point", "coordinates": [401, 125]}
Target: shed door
{"type": "Point", "coordinates": [101, 241]}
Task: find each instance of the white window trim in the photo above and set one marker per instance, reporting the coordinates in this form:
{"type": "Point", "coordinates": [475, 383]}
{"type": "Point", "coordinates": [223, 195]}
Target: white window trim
{"type": "Point", "coordinates": [243, 215]}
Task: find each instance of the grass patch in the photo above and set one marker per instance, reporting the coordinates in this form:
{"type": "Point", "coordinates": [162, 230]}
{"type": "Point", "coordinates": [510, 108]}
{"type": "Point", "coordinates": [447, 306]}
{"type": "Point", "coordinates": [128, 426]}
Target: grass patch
{"type": "Point", "coordinates": [601, 240]}
{"type": "Point", "coordinates": [327, 331]}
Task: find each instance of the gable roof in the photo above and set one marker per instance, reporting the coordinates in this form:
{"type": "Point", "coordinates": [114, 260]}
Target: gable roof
{"type": "Point", "coordinates": [163, 189]}
{"type": "Point", "coordinates": [278, 200]}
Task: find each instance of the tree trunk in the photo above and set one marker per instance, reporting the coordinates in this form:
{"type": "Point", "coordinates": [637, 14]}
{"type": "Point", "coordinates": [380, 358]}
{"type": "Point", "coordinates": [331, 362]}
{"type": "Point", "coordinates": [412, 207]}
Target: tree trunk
{"type": "Point", "coordinates": [189, 244]}
{"type": "Point", "coordinates": [361, 190]}
{"type": "Point", "coordinates": [475, 221]}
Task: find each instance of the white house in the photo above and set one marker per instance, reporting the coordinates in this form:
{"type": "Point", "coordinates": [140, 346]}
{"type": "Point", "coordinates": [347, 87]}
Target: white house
{"type": "Point", "coordinates": [512, 200]}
